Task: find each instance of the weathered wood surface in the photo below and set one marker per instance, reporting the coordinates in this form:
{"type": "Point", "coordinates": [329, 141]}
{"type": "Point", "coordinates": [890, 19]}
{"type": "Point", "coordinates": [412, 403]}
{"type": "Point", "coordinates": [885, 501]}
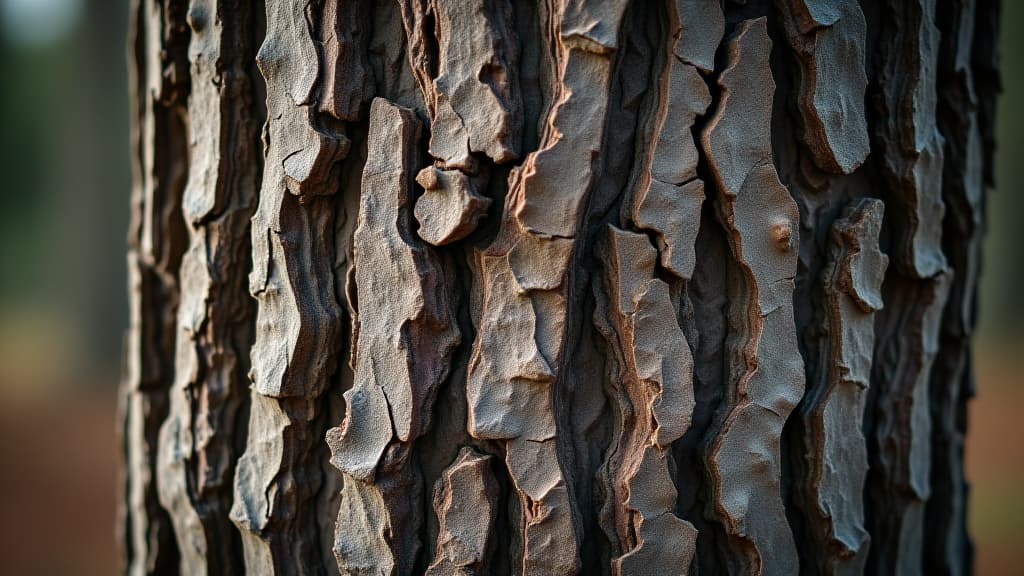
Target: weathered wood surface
{"type": "Point", "coordinates": [196, 465]}
{"type": "Point", "coordinates": [554, 288]}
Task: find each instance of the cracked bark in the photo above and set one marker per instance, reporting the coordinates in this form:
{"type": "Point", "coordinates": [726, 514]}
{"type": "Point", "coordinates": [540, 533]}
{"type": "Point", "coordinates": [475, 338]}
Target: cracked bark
{"type": "Point", "coordinates": [560, 287]}
{"type": "Point", "coordinates": [207, 400]}
{"type": "Point", "coordinates": [765, 373]}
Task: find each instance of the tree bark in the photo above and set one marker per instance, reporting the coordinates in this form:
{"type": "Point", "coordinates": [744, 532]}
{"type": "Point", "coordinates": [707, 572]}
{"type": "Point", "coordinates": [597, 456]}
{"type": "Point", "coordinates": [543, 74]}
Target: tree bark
{"type": "Point", "coordinates": [561, 287]}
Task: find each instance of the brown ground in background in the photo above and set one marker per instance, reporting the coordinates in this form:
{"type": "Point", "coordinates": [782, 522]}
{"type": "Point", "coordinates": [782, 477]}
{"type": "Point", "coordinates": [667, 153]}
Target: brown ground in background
{"type": "Point", "coordinates": [995, 462]}
{"type": "Point", "coordinates": [58, 486]}
{"type": "Point", "coordinates": [57, 489]}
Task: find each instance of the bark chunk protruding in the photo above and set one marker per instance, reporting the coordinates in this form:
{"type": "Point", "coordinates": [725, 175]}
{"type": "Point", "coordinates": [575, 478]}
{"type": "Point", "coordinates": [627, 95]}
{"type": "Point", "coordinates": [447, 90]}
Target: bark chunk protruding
{"type": "Point", "coordinates": [765, 372]}
{"type": "Point", "coordinates": [403, 338]}
{"type": "Point", "coordinates": [833, 414]}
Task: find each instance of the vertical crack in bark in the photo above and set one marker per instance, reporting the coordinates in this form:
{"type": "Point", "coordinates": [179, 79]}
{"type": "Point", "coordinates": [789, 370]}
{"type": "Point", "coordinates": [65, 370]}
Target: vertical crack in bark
{"type": "Point", "coordinates": [668, 196]}
{"type": "Point", "coordinates": [823, 79]}
{"type": "Point", "coordinates": [157, 240]}
{"type": "Point", "coordinates": [519, 354]}
{"type": "Point", "coordinates": [900, 424]}
{"type": "Point", "coordinates": [587, 42]}
{"type": "Point", "coordinates": [985, 63]}
{"type": "Point", "coordinates": [536, 67]}
{"type": "Point", "coordinates": [653, 392]}
{"type": "Point", "coordinates": [421, 48]}
{"type": "Point", "coordinates": [909, 138]}
{"type": "Point", "coordinates": [344, 34]}
{"type": "Point", "coordinates": [298, 317]}
{"type": "Point", "coordinates": [403, 338]}
{"type": "Point", "coordinates": [836, 462]}
{"type": "Point", "coordinates": [766, 370]}
{"type": "Point", "coordinates": [947, 546]}
{"type": "Point", "coordinates": [587, 418]}
{"type": "Point", "coordinates": [464, 58]}
{"type": "Point", "coordinates": [708, 293]}
{"type": "Point", "coordinates": [197, 448]}
{"type": "Point", "coordinates": [900, 451]}
{"type": "Point", "coordinates": [651, 378]}
{"type": "Point", "coordinates": [346, 216]}
{"type": "Point", "coordinates": [702, 292]}
{"type": "Point", "coordinates": [389, 55]}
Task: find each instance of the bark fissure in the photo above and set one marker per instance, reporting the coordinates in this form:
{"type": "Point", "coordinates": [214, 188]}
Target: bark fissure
{"type": "Point", "coordinates": [157, 243]}
{"type": "Point", "coordinates": [215, 319]}
{"type": "Point", "coordinates": [765, 372]}
{"type": "Point", "coordinates": [298, 318]}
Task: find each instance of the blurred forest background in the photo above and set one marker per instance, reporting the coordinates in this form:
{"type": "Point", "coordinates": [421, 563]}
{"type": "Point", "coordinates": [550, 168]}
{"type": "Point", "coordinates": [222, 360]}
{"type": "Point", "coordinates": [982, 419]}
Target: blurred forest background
{"type": "Point", "coordinates": [63, 302]}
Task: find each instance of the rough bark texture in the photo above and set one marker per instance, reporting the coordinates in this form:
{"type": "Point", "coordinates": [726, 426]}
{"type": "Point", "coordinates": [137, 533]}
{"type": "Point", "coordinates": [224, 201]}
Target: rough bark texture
{"type": "Point", "coordinates": [553, 288]}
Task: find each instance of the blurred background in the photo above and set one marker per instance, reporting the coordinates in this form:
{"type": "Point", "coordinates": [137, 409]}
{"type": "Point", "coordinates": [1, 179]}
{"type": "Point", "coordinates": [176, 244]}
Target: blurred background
{"type": "Point", "coordinates": [63, 302]}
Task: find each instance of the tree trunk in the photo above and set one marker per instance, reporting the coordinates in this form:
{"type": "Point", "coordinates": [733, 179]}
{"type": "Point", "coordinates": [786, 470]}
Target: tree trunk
{"type": "Point", "coordinates": [580, 287]}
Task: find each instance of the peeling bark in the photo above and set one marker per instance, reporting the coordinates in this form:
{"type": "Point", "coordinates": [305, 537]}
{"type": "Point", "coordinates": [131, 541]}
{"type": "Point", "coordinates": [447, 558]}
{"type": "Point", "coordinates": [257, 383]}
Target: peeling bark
{"type": "Point", "coordinates": [612, 280]}
{"type": "Point", "coordinates": [833, 414]}
{"type": "Point", "coordinates": [298, 318]}
{"type": "Point", "coordinates": [654, 398]}
{"type": "Point", "coordinates": [402, 342]}
{"type": "Point", "coordinates": [519, 353]}
{"type": "Point", "coordinates": [207, 401]}
{"type": "Point", "coordinates": [766, 370]}
{"type": "Point", "coordinates": [466, 501]}
{"type": "Point", "coordinates": [829, 37]}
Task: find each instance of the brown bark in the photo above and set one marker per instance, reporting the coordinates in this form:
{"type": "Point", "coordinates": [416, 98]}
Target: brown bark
{"type": "Point", "coordinates": [560, 287]}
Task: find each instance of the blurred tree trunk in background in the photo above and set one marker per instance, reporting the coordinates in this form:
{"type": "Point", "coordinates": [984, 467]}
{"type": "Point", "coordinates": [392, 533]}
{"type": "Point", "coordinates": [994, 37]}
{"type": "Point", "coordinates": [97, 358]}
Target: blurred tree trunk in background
{"type": "Point", "coordinates": [552, 288]}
